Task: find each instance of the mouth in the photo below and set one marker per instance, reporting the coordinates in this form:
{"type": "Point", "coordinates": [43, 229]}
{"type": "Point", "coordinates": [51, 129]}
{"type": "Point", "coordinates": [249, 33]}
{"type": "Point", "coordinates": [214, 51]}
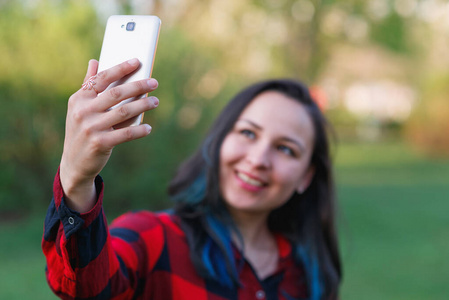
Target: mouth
{"type": "Point", "coordinates": [251, 181]}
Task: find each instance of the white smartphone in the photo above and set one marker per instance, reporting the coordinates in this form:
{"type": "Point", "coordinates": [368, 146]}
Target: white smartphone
{"type": "Point", "coordinates": [127, 37]}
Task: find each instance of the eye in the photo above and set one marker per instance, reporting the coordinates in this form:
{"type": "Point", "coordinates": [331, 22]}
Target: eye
{"type": "Point", "coordinates": [248, 133]}
{"type": "Point", "coordinates": [287, 150]}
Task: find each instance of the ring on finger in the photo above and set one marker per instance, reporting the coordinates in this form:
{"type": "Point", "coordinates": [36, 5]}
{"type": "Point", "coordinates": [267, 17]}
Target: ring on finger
{"type": "Point", "coordinates": [90, 84]}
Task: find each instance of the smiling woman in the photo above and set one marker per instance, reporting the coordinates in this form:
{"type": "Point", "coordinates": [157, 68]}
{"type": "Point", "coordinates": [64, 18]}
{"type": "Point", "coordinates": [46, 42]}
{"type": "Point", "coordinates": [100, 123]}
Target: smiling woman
{"type": "Point", "coordinates": [263, 174]}
{"type": "Point", "coordinates": [254, 212]}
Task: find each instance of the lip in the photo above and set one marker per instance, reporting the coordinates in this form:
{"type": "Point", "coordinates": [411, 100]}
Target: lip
{"type": "Point", "coordinates": [248, 186]}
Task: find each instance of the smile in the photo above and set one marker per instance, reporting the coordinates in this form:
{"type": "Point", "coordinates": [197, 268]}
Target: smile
{"type": "Point", "coordinates": [245, 178]}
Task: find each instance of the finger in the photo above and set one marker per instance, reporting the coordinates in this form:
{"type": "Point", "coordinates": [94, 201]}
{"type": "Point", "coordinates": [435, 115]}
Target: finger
{"type": "Point", "coordinates": [104, 78]}
{"type": "Point", "coordinates": [126, 91]}
{"type": "Point", "coordinates": [91, 69]}
{"type": "Point", "coordinates": [129, 110]}
{"type": "Point", "coordinates": [126, 134]}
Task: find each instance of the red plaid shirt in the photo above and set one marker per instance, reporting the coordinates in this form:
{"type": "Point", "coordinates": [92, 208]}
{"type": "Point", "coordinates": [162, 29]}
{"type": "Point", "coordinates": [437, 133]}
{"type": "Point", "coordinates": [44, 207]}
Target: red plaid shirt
{"type": "Point", "coordinates": [143, 255]}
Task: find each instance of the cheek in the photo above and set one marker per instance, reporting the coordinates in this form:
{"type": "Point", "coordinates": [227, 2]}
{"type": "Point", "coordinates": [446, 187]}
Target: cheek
{"type": "Point", "coordinates": [291, 176]}
{"type": "Point", "coordinates": [226, 156]}
{"type": "Point", "coordinates": [230, 151]}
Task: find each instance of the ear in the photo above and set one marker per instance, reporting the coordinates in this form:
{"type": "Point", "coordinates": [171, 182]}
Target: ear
{"type": "Point", "coordinates": [306, 180]}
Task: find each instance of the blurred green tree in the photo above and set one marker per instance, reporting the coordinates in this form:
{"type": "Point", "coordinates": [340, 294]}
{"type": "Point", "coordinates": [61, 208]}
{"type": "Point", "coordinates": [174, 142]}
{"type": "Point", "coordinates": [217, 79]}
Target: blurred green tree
{"type": "Point", "coordinates": [43, 46]}
{"type": "Point", "coordinates": [428, 126]}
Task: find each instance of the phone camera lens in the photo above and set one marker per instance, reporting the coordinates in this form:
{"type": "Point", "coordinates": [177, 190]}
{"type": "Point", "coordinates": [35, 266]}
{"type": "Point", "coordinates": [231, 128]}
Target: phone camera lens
{"type": "Point", "coordinates": [130, 26]}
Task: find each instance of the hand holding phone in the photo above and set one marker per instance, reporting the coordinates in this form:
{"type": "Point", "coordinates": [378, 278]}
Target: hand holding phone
{"type": "Point", "coordinates": [89, 139]}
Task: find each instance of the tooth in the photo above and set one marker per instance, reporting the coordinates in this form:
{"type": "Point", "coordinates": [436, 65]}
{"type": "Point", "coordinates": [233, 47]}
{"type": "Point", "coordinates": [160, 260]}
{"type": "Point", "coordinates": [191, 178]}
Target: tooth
{"type": "Point", "coordinates": [249, 180]}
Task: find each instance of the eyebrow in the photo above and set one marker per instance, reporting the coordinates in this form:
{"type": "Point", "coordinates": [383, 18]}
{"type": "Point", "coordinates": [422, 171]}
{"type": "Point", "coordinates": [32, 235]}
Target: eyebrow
{"type": "Point", "coordinates": [300, 145]}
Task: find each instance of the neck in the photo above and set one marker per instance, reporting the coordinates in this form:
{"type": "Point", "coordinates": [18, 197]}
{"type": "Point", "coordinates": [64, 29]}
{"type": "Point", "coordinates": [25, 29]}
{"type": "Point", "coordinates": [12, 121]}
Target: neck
{"type": "Point", "coordinates": [259, 244]}
{"type": "Point", "coordinates": [253, 229]}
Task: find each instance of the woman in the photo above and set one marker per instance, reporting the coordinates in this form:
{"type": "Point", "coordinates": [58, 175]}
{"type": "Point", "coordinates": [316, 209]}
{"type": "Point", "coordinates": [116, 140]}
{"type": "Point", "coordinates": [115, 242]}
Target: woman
{"type": "Point", "coordinates": [254, 213]}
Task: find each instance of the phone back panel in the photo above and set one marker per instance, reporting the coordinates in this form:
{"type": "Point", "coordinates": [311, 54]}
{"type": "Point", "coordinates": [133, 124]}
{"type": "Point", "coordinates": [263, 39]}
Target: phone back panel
{"type": "Point", "coordinates": [120, 44]}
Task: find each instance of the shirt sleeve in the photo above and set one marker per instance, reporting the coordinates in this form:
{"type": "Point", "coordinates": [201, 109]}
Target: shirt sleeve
{"type": "Point", "coordinates": [83, 259]}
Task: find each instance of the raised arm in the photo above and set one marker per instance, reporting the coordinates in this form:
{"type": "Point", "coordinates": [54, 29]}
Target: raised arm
{"type": "Point", "coordinates": [83, 259]}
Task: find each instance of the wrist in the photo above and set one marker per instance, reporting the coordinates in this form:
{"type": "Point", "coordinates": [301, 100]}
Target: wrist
{"type": "Point", "coordinates": [79, 192]}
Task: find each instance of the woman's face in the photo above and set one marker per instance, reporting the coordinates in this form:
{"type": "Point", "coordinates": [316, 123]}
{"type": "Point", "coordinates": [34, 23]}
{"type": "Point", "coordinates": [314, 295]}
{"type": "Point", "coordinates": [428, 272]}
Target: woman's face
{"type": "Point", "coordinates": [266, 155]}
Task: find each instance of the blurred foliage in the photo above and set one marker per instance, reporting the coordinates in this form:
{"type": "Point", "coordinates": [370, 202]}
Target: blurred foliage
{"type": "Point", "coordinates": [428, 126]}
{"type": "Point", "coordinates": [207, 51]}
{"type": "Point", "coordinates": [41, 46]}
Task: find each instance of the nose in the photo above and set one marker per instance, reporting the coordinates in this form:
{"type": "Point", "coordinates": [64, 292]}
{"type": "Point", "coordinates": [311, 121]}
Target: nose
{"type": "Point", "coordinates": [258, 156]}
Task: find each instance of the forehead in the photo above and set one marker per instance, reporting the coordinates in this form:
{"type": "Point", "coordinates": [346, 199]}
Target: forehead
{"type": "Point", "coordinates": [280, 114]}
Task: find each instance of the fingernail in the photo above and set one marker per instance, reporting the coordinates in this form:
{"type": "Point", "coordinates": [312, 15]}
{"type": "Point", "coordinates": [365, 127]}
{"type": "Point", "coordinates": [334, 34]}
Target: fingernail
{"type": "Point", "coordinates": [152, 83]}
{"type": "Point", "coordinates": [148, 128]}
{"type": "Point", "coordinates": [133, 61]}
{"type": "Point", "coordinates": [155, 101]}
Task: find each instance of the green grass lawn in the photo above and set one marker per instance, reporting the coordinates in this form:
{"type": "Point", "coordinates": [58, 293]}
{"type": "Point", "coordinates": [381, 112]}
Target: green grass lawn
{"type": "Point", "coordinates": [22, 264]}
{"type": "Point", "coordinates": [394, 230]}
{"type": "Point", "coordinates": [394, 223]}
